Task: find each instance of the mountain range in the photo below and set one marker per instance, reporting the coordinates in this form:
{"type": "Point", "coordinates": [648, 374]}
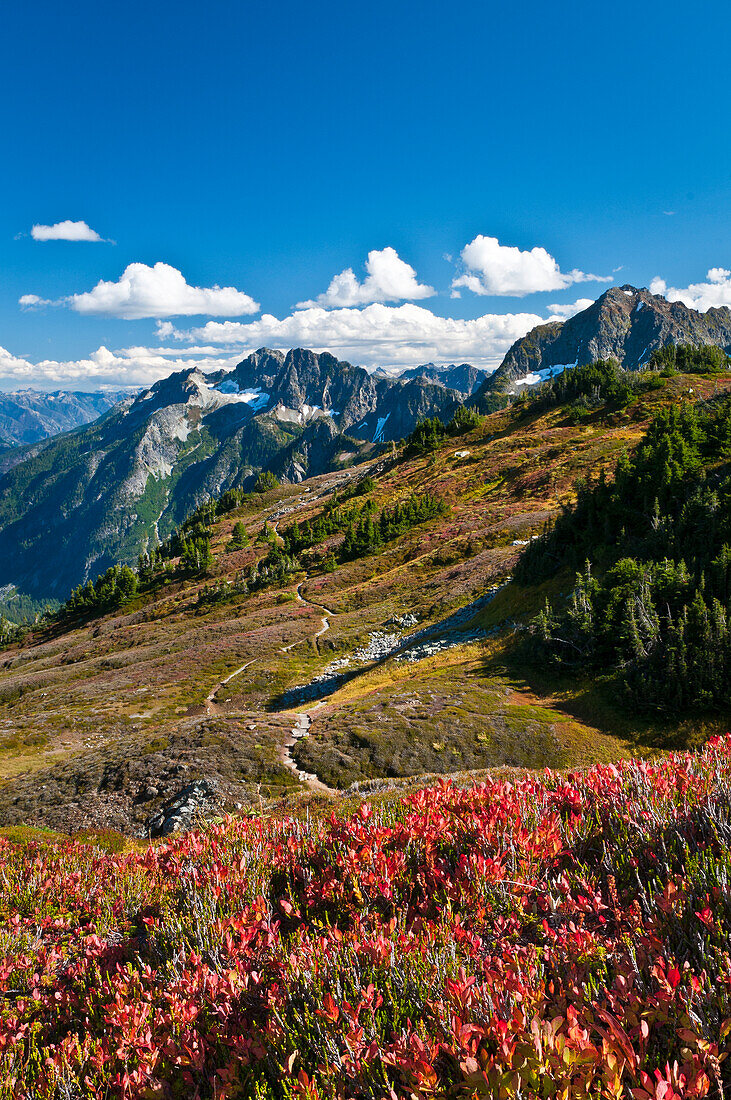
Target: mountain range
{"type": "Point", "coordinates": [464, 378]}
{"type": "Point", "coordinates": [29, 417]}
{"type": "Point", "coordinates": [368, 626]}
{"type": "Point", "coordinates": [102, 493]}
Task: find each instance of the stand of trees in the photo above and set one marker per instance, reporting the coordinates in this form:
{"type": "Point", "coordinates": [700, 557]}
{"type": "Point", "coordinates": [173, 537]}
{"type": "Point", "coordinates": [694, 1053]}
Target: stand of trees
{"type": "Point", "coordinates": [689, 359]}
{"type": "Point", "coordinates": [604, 382]}
{"type": "Point", "coordinates": [655, 605]}
{"type": "Point", "coordinates": [585, 389]}
{"type": "Point", "coordinates": [364, 531]}
{"type": "Point", "coordinates": [191, 541]}
{"type": "Point", "coordinates": [107, 593]}
{"type": "Point", "coordinates": [239, 537]}
{"type": "Point", "coordinates": [190, 544]}
{"type": "Point", "coordinates": [431, 432]}
{"type": "Point", "coordinates": [10, 632]}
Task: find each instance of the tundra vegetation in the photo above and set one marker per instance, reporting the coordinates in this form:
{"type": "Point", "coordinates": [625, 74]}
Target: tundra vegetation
{"type": "Point", "coordinates": [107, 711]}
{"type": "Point", "coordinates": [499, 932]}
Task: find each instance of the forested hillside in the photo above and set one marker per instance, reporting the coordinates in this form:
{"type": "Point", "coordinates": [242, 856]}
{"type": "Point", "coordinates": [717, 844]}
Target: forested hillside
{"type": "Point", "coordinates": [652, 600]}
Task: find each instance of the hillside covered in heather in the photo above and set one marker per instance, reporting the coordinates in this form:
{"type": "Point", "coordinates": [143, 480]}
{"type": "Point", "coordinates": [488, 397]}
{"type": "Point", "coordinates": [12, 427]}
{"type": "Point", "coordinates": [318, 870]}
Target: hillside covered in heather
{"type": "Point", "coordinates": [387, 621]}
{"type": "Point", "coordinates": [550, 935]}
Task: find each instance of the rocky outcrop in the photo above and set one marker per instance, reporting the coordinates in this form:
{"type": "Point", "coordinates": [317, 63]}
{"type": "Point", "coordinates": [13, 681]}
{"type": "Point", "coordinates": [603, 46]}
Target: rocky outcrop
{"type": "Point", "coordinates": [192, 806]}
{"type": "Point", "coordinates": [625, 324]}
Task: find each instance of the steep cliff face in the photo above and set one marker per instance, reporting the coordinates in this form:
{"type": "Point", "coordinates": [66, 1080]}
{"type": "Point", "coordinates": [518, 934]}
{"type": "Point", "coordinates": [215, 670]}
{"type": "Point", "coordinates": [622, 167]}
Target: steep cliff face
{"type": "Point", "coordinates": [101, 494]}
{"type": "Point", "coordinates": [625, 323]}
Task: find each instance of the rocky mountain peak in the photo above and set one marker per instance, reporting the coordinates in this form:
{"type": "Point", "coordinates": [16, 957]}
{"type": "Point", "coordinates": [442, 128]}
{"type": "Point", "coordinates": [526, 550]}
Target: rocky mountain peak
{"type": "Point", "coordinates": [625, 323]}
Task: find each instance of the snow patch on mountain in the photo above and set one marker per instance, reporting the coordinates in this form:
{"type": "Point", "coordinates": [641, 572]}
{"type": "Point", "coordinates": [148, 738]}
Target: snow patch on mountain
{"type": "Point", "coordinates": [378, 434]}
{"type": "Point", "coordinates": [544, 374]}
{"type": "Point", "coordinates": [303, 415]}
{"type": "Point", "coordinates": [228, 392]}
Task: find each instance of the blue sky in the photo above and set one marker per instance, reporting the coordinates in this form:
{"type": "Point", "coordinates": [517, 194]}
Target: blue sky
{"type": "Point", "coordinates": [270, 148]}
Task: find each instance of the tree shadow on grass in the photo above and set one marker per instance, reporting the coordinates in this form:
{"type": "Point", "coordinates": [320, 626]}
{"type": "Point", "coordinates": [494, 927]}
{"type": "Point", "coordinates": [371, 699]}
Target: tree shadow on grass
{"type": "Point", "coordinates": [596, 699]}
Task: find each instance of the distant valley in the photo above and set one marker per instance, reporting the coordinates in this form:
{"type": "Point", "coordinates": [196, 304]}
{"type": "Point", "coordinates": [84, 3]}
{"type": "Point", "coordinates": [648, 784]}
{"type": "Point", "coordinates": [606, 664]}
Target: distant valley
{"type": "Point", "coordinates": [380, 621]}
{"type": "Point", "coordinates": [106, 492]}
{"type": "Point", "coordinates": [28, 417]}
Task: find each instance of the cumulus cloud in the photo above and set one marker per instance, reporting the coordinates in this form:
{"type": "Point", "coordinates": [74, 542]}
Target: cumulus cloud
{"type": "Point", "coordinates": [389, 279]}
{"type": "Point", "coordinates": [65, 231]}
{"type": "Point", "coordinates": [571, 308]}
{"type": "Point", "coordinates": [378, 335]}
{"type": "Point", "coordinates": [716, 291]}
{"type": "Point", "coordinates": [128, 367]}
{"type": "Point", "coordinates": [159, 291]}
{"type": "Point", "coordinates": [32, 301]}
{"type": "Point", "coordinates": [494, 268]}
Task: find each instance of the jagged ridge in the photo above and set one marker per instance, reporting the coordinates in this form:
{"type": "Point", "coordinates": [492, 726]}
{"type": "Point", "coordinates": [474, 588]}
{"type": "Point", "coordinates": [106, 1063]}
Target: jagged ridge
{"type": "Point", "coordinates": [625, 323]}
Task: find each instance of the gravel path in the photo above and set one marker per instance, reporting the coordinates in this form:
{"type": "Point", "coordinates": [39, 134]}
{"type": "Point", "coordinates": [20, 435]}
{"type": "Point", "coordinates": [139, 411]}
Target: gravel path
{"type": "Point", "coordinates": [302, 720]}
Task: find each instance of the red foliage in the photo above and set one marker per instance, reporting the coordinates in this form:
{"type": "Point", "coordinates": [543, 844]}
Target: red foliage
{"type": "Point", "coordinates": [564, 935]}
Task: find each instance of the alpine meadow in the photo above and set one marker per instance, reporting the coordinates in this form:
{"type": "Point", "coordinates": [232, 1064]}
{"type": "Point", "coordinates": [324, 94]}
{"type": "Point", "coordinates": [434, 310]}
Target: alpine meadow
{"type": "Point", "coordinates": [365, 553]}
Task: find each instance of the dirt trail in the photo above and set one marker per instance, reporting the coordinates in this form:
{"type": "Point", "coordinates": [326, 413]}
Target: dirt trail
{"type": "Point", "coordinates": [211, 705]}
{"type": "Point", "coordinates": [302, 720]}
{"type": "Point", "coordinates": [326, 614]}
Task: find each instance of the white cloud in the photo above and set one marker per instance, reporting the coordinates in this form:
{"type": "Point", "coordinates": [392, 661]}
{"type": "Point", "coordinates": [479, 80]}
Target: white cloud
{"type": "Point", "coordinates": [716, 291]}
{"type": "Point", "coordinates": [65, 231]}
{"type": "Point", "coordinates": [571, 308]}
{"type": "Point", "coordinates": [32, 301]}
{"type": "Point", "coordinates": [159, 291]}
{"type": "Point", "coordinates": [494, 268]}
{"type": "Point", "coordinates": [378, 335]}
{"type": "Point", "coordinates": [129, 367]}
{"type": "Point", "coordinates": [389, 279]}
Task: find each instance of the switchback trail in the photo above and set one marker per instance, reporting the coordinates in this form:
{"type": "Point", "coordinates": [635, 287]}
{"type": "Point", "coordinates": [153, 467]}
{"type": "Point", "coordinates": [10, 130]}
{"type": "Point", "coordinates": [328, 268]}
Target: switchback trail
{"type": "Point", "coordinates": [302, 719]}
{"type": "Point", "coordinates": [326, 615]}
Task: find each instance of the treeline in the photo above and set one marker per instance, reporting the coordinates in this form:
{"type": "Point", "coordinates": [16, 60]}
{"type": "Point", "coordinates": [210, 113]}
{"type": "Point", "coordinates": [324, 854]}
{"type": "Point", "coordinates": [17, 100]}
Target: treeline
{"type": "Point", "coordinates": [431, 432]}
{"type": "Point", "coordinates": [593, 386]}
{"type": "Point", "coordinates": [22, 610]}
{"type": "Point", "coordinates": [187, 552]}
{"type": "Point", "coordinates": [603, 382]}
{"type": "Point", "coordinates": [190, 543]}
{"type": "Point", "coordinates": [11, 632]}
{"type": "Point", "coordinates": [364, 529]}
{"type": "Point", "coordinates": [371, 531]}
{"type": "Point", "coordinates": [107, 593]}
{"type": "Point", "coordinates": [652, 600]}
{"type": "Point", "coordinates": [689, 359]}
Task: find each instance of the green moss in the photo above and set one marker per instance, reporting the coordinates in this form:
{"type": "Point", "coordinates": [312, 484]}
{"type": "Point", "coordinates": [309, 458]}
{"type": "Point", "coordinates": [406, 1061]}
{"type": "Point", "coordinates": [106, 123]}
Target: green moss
{"type": "Point", "coordinates": [29, 834]}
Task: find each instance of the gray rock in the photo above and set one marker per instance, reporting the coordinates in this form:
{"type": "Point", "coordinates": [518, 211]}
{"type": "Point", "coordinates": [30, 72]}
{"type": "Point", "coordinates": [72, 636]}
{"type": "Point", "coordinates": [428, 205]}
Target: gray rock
{"type": "Point", "coordinates": [189, 807]}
